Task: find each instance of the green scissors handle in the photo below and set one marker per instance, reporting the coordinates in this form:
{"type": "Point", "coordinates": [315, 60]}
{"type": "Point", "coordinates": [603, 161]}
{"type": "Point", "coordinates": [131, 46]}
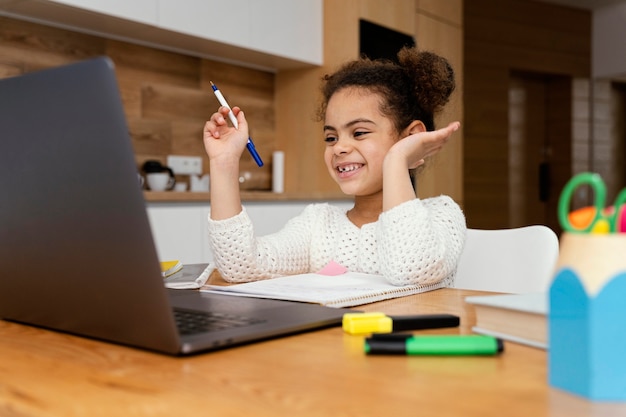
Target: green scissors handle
{"type": "Point", "coordinates": [599, 189]}
{"type": "Point", "coordinates": [616, 220]}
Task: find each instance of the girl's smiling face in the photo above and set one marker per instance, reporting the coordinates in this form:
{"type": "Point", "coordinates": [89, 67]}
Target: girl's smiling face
{"type": "Point", "coordinates": [357, 137]}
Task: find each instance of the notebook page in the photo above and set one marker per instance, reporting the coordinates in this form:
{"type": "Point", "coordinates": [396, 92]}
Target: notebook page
{"type": "Point", "coordinates": [343, 290]}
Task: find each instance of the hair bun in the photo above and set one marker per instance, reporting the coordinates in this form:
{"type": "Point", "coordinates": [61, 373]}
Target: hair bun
{"type": "Point", "coordinates": [432, 75]}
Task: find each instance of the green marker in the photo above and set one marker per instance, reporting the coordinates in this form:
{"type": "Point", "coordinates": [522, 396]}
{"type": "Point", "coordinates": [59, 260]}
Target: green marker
{"type": "Point", "coordinates": [407, 344]}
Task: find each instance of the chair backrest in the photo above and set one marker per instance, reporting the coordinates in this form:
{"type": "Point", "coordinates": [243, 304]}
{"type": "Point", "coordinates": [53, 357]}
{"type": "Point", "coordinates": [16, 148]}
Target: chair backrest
{"type": "Point", "coordinates": [518, 260]}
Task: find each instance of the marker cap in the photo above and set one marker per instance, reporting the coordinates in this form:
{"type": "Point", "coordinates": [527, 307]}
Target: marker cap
{"type": "Point", "coordinates": [365, 323]}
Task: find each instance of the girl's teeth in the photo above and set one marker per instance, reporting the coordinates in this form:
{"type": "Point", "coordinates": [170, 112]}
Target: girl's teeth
{"type": "Point", "coordinates": [348, 168]}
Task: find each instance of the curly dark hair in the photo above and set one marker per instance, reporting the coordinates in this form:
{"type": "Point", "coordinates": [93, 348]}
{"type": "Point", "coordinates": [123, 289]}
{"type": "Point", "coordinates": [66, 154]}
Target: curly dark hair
{"type": "Point", "coordinates": [415, 88]}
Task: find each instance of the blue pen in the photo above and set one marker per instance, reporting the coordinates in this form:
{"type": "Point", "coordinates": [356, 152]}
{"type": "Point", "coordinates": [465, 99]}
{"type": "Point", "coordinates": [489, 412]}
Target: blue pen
{"type": "Point", "coordinates": [233, 120]}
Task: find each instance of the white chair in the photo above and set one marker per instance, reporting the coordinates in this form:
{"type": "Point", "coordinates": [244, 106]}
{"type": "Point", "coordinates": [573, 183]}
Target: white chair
{"type": "Point", "coordinates": [518, 260]}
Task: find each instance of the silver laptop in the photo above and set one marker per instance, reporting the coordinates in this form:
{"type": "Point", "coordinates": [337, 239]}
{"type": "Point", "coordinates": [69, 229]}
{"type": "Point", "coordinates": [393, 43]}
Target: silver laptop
{"type": "Point", "coordinates": [77, 253]}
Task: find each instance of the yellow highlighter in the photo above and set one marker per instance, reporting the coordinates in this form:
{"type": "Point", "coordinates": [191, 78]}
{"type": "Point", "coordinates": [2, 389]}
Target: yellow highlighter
{"type": "Point", "coordinates": [376, 322]}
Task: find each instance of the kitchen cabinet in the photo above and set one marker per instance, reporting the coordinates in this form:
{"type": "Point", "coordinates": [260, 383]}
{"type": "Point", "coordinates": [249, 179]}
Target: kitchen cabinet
{"type": "Point", "coordinates": [142, 11]}
{"type": "Point", "coordinates": [179, 229]}
{"type": "Point", "coordinates": [278, 27]}
{"type": "Point", "coordinates": [269, 34]}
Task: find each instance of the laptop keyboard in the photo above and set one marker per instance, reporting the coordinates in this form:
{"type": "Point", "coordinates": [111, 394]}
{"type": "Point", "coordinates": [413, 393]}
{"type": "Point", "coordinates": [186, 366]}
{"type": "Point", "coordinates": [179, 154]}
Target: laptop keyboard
{"type": "Point", "coordinates": [193, 321]}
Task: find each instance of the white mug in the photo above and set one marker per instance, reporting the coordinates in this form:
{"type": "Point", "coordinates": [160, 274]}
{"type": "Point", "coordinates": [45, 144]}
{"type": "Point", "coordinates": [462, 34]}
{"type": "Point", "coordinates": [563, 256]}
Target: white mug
{"type": "Point", "coordinates": [199, 183]}
{"type": "Point", "coordinates": [180, 186]}
{"type": "Point", "coordinates": [160, 181]}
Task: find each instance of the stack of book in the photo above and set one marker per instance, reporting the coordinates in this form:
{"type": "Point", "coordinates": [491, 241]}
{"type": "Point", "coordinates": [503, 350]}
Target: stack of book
{"type": "Point", "coordinates": [520, 318]}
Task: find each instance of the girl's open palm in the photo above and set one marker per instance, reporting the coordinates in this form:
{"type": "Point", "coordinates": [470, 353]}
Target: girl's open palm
{"type": "Point", "coordinates": [415, 148]}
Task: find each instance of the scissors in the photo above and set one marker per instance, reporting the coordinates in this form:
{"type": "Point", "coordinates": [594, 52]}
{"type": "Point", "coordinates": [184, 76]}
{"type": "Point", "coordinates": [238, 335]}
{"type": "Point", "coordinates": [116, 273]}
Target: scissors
{"type": "Point", "coordinates": [603, 220]}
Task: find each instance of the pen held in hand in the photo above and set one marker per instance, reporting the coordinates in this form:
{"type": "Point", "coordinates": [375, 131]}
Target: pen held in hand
{"type": "Point", "coordinates": [233, 119]}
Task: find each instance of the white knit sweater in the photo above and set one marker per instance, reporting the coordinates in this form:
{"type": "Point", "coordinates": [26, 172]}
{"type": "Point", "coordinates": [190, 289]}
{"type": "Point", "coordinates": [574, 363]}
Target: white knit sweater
{"type": "Point", "coordinates": [418, 242]}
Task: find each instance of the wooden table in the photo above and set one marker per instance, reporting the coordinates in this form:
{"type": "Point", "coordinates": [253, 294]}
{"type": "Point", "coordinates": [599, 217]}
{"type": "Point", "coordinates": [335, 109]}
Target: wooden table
{"type": "Point", "coordinates": [322, 373]}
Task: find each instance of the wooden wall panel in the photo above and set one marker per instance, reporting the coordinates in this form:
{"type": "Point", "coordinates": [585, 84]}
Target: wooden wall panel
{"type": "Point", "coordinates": [396, 14]}
{"type": "Point", "coordinates": [166, 102]}
{"type": "Point", "coordinates": [532, 14]}
{"type": "Point", "coordinates": [32, 47]}
{"type": "Point", "coordinates": [439, 28]}
{"type": "Point", "coordinates": [142, 65]}
{"type": "Point", "coordinates": [450, 11]}
{"type": "Point", "coordinates": [151, 138]}
{"type": "Point", "coordinates": [167, 96]}
{"type": "Point", "coordinates": [500, 37]}
{"type": "Point", "coordinates": [299, 135]}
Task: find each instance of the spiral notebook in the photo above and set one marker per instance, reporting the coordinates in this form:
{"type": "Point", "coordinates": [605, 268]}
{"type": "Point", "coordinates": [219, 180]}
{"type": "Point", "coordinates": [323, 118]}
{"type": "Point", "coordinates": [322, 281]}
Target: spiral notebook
{"type": "Point", "coordinates": [345, 290]}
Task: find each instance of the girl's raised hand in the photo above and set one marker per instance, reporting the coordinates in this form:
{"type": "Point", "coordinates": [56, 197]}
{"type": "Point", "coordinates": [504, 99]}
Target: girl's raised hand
{"type": "Point", "coordinates": [222, 141]}
{"type": "Point", "coordinates": [415, 148]}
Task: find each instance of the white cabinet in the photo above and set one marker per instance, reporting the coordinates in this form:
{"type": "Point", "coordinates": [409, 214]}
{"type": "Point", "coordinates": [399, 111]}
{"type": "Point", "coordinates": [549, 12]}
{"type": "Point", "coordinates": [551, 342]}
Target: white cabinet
{"type": "Point", "coordinates": [143, 11]}
{"type": "Point", "coordinates": [275, 34]}
{"type": "Point", "coordinates": [284, 28]}
{"type": "Point", "coordinates": [288, 28]}
{"type": "Point", "coordinates": [180, 231]}
{"type": "Point", "coordinates": [222, 21]}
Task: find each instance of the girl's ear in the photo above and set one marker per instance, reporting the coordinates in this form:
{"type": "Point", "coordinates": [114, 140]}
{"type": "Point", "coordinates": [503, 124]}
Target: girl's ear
{"type": "Point", "coordinates": [416, 126]}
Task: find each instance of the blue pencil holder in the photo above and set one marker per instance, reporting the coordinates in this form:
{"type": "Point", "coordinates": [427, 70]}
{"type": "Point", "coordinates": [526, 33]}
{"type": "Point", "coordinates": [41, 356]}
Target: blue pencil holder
{"type": "Point", "coordinates": [587, 317]}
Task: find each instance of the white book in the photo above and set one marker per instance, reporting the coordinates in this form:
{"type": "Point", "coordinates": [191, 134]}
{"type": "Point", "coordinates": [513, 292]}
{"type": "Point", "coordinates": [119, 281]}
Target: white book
{"type": "Point", "coordinates": [519, 318]}
{"type": "Point", "coordinates": [345, 290]}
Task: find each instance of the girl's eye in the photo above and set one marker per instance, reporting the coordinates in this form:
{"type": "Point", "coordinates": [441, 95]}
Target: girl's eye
{"type": "Point", "coordinates": [360, 133]}
{"type": "Point", "coordinates": [330, 139]}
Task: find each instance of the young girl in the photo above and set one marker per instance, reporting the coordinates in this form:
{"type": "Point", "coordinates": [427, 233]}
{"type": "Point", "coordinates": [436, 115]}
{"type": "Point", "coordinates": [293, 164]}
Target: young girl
{"type": "Point", "coordinates": [378, 126]}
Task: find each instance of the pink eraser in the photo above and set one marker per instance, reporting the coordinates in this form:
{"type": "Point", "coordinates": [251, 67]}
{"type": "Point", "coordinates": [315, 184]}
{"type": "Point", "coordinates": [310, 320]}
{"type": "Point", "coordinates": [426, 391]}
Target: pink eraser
{"type": "Point", "coordinates": [333, 268]}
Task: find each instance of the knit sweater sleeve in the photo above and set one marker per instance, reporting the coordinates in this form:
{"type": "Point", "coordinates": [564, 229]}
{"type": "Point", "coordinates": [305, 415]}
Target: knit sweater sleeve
{"type": "Point", "coordinates": [420, 242]}
{"type": "Point", "coordinates": [240, 256]}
